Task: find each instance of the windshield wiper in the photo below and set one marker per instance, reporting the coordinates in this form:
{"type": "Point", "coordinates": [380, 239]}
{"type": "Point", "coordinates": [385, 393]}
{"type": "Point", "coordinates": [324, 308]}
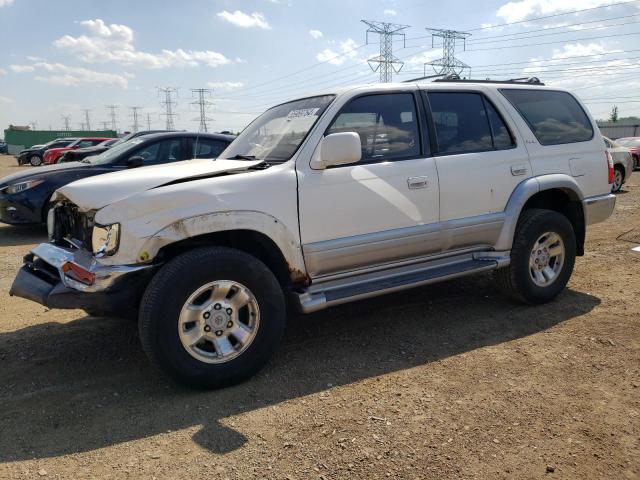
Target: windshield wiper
{"type": "Point", "coordinates": [242, 157]}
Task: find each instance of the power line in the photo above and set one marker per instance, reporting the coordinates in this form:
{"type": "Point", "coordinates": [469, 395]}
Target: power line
{"type": "Point", "coordinates": [386, 62]}
{"type": "Point", "coordinates": [449, 64]}
{"type": "Point", "coordinates": [134, 114]}
{"type": "Point", "coordinates": [67, 122]}
{"type": "Point", "coordinates": [87, 121]}
{"type": "Point", "coordinates": [203, 105]}
{"type": "Point", "coordinates": [112, 115]}
{"type": "Point", "coordinates": [168, 104]}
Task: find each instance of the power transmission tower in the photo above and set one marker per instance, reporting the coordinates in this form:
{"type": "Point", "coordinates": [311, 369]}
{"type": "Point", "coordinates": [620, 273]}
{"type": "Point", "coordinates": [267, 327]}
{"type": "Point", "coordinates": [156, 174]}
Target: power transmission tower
{"type": "Point", "coordinates": [82, 126]}
{"type": "Point", "coordinates": [148, 121]}
{"type": "Point", "coordinates": [67, 122]}
{"type": "Point", "coordinates": [87, 122]}
{"type": "Point", "coordinates": [168, 104]}
{"type": "Point", "coordinates": [386, 62]}
{"type": "Point", "coordinates": [105, 125]}
{"type": "Point", "coordinates": [33, 124]}
{"type": "Point", "coordinates": [134, 114]}
{"type": "Point", "coordinates": [203, 104]}
{"type": "Point", "coordinates": [112, 115]}
{"type": "Point", "coordinates": [448, 64]}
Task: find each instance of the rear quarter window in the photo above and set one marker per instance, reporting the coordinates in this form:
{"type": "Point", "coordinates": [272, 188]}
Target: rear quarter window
{"type": "Point", "coordinates": [555, 118]}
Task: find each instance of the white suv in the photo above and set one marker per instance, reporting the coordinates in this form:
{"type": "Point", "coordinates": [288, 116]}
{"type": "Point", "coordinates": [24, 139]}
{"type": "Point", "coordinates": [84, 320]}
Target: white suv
{"type": "Point", "coordinates": [325, 200]}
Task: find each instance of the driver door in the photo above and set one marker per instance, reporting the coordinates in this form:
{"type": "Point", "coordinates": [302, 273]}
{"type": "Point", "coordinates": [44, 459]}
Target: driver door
{"type": "Point", "coordinates": [382, 209]}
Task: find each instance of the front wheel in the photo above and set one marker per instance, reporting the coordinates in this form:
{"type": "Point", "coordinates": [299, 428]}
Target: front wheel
{"type": "Point", "coordinates": [212, 317]}
{"type": "Point", "coordinates": [35, 160]}
{"type": "Point", "coordinates": [542, 257]}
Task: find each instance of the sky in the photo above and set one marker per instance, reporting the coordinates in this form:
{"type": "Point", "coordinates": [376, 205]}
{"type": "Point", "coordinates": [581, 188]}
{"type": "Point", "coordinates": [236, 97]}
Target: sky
{"type": "Point", "coordinates": [59, 57]}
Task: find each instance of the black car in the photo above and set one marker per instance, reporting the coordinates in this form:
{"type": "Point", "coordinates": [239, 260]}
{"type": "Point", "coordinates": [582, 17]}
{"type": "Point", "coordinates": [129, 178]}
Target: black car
{"type": "Point", "coordinates": [24, 196]}
{"type": "Point", "coordinates": [80, 153]}
{"type": "Point", "coordinates": [35, 154]}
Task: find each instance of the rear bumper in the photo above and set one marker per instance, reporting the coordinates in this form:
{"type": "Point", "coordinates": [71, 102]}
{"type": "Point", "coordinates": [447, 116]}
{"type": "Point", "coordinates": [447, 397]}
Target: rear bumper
{"type": "Point", "coordinates": [42, 280]}
{"type": "Point", "coordinates": [599, 208]}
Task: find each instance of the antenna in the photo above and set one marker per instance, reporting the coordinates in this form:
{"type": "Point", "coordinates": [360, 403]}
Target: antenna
{"type": "Point", "coordinates": [168, 104]}
{"type": "Point", "coordinates": [203, 104]}
{"type": "Point", "coordinates": [387, 64]}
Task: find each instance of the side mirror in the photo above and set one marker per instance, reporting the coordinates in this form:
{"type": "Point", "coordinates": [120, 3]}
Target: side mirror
{"type": "Point", "coordinates": [136, 161]}
{"type": "Point", "coordinates": [338, 149]}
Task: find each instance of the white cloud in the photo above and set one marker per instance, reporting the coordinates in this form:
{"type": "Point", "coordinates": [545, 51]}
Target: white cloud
{"type": "Point", "coordinates": [226, 86]}
{"type": "Point", "coordinates": [316, 34]}
{"type": "Point", "coordinates": [519, 10]}
{"type": "Point", "coordinates": [2, 72]}
{"type": "Point", "coordinates": [391, 12]}
{"type": "Point", "coordinates": [21, 68]}
{"type": "Point", "coordinates": [347, 50]}
{"type": "Point", "coordinates": [114, 43]}
{"type": "Point", "coordinates": [245, 20]}
{"type": "Point", "coordinates": [578, 49]}
{"type": "Point", "coordinates": [59, 74]}
{"type": "Point", "coordinates": [5, 3]}
{"type": "Point", "coordinates": [424, 57]}
{"type": "Point", "coordinates": [5, 100]}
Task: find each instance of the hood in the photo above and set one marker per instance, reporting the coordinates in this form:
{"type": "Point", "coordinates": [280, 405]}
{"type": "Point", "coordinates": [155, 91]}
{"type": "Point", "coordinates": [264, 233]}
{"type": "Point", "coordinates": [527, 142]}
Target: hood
{"type": "Point", "coordinates": [96, 192]}
{"type": "Point", "coordinates": [40, 172]}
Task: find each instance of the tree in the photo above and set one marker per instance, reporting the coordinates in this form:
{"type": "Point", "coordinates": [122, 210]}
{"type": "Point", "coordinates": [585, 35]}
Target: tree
{"type": "Point", "coordinates": [614, 114]}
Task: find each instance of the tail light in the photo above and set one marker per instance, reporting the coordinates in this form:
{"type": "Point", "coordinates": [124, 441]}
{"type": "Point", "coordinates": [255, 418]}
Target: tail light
{"type": "Point", "coordinates": [609, 166]}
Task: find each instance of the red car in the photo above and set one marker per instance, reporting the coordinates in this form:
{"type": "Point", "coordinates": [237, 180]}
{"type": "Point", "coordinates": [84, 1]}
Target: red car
{"type": "Point", "coordinates": [52, 155]}
{"type": "Point", "coordinates": [633, 144]}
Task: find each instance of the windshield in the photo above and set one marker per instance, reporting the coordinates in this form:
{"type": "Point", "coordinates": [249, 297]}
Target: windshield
{"type": "Point", "coordinates": [113, 153]}
{"type": "Point", "coordinates": [276, 134]}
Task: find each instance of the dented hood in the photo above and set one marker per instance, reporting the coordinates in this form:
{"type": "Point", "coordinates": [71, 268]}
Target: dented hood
{"type": "Point", "coordinates": [101, 190]}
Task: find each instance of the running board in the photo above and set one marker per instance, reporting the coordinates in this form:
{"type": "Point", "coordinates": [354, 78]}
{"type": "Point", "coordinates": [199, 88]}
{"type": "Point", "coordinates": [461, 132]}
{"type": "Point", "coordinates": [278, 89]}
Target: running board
{"type": "Point", "coordinates": [326, 294]}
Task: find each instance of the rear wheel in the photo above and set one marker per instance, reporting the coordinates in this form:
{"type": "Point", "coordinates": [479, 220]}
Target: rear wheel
{"type": "Point", "coordinates": [618, 179]}
{"type": "Point", "coordinates": [542, 257]}
{"type": "Point", "coordinates": [212, 317]}
{"type": "Point", "coordinates": [635, 162]}
{"type": "Point", "coordinates": [35, 160]}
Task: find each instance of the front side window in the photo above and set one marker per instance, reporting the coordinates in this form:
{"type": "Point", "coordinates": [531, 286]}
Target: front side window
{"type": "Point", "coordinates": [555, 118]}
{"type": "Point", "coordinates": [160, 152]}
{"type": "Point", "coordinates": [387, 125]}
{"type": "Point", "coordinates": [466, 123]}
{"type": "Point", "coordinates": [276, 134]}
{"type": "Point", "coordinates": [85, 144]}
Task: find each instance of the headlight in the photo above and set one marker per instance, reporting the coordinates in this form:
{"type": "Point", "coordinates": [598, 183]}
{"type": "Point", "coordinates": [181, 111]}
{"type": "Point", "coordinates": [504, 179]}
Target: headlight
{"type": "Point", "coordinates": [22, 186]}
{"type": "Point", "coordinates": [105, 239]}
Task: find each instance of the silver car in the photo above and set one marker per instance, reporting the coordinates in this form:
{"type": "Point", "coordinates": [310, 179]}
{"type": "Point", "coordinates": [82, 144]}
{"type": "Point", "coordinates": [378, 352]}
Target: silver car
{"type": "Point", "coordinates": [622, 163]}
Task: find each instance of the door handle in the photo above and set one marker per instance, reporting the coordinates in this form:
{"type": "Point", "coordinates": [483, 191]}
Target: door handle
{"type": "Point", "coordinates": [519, 169]}
{"type": "Point", "coordinates": [417, 182]}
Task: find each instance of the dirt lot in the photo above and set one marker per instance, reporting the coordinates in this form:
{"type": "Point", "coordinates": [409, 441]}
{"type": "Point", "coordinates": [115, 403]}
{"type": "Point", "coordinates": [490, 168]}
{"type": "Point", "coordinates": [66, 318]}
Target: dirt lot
{"type": "Point", "coordinates": [448, 381]}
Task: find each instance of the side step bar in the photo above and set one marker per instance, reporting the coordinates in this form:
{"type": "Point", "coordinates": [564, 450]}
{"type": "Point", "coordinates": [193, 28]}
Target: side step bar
{"type": "Point", "coordinates": [326, 294]}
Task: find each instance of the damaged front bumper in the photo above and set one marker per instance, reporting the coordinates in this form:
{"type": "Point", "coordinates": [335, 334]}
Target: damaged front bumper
{"type": "Point", "coordinates": [44, 278]}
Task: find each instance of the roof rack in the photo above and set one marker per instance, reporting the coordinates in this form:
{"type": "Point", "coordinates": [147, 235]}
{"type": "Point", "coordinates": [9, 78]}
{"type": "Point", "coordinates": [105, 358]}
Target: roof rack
{"type": "Point", "coordinates": [514, 81]}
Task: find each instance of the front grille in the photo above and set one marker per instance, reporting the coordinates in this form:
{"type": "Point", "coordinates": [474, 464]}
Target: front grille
{"type": "Point", "coordinates": [71, 227]}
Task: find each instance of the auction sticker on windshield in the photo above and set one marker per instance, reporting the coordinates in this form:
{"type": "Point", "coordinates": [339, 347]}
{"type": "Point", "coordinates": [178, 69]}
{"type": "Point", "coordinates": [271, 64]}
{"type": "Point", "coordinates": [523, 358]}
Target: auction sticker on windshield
{"type": "Point", "coordinates": [303, 112]}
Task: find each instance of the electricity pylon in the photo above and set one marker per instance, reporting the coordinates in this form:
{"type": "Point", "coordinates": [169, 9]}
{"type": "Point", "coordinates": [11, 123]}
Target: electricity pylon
{"type": "Point", "coordinates": [387, 64]}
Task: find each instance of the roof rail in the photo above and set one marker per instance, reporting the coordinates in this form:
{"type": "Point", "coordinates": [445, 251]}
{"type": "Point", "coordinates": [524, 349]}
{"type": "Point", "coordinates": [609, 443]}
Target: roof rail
{"type": "Point", "coordinates": [514, 81]}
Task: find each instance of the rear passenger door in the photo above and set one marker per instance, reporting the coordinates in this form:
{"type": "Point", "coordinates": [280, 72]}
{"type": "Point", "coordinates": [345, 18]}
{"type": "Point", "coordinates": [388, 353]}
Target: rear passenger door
{"type": "Point", "coordinates": [480, 159]}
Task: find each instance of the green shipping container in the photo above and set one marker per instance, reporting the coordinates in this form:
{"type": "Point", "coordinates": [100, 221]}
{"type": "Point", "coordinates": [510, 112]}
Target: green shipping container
{"type": "Point", "coordinates": [20, 139]}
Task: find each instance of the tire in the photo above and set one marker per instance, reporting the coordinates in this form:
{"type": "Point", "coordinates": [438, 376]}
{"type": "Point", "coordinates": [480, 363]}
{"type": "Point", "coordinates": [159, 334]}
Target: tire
{"type": "Point", "coordinates": [517, 279]}
{"type": "Point", "coordinates": [164, 305]}
{"type": "Point", "coordinates": [35, 160]}
{"type": "Point", "coordinates": [618, 179]}
{"type": "Point", "coordinates": [635, 162]}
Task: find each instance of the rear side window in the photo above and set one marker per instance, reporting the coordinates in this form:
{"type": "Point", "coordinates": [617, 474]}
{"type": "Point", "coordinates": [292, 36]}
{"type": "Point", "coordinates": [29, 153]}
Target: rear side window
{"type": "Point", "coordinates": [555, 118]}
{"type": "Point", "coordinates": [466, 122]}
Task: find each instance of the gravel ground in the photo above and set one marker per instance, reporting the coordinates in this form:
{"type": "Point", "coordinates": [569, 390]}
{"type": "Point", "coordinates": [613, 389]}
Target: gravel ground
{"type": "Point", "coordinates": [448, 381]}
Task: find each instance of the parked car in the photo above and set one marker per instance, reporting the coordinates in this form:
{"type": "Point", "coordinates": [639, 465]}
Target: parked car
{"type": "Point", "coordinates": [622, 163]}
{"type": "Point", "coordinates": [313, 203]}
{"type": "Point", "coordinates": [633, 144]}
{"type": "Point", "coordinates": [24, 196]}
{"type": "Point", "coordinates": [3, 146]}
{"type": "Point", "coordinates": [35, 154]}
{"type": "Point", "coordinates": [52, 154]}
{"type": "Point", "coordinates": [80, 153]}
